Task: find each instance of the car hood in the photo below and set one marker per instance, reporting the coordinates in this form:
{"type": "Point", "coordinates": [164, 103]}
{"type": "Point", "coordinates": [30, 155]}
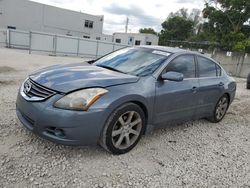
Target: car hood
{"type": "Point", "coordinates": [66, 78]}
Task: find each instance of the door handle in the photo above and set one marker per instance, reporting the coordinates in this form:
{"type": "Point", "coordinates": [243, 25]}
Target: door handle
{"type": "Point", "coordinates": [194, 89]}
{"type": "Point", "coordinates": [221, 84]}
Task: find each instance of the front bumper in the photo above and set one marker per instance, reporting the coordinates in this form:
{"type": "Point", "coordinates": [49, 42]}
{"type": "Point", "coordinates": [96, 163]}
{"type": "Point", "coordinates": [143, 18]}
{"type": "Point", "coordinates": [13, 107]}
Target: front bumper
{"type": "Point", "coordinates": [61, 126]}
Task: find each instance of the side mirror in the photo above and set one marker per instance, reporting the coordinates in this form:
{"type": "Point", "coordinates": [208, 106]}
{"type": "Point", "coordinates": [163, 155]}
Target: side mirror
{"type": "Point", "coordinates": [91, 61]}
{"type": "Point", "coordinates": [172, 76]}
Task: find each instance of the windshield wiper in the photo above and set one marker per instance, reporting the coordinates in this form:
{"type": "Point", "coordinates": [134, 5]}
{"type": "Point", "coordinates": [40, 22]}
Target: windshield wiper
{"type": "Point", "coordinates": [110, 68]}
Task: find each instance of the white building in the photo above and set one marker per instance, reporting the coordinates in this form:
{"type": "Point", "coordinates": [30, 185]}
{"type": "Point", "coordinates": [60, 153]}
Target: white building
{"type": "Point", "coordinates": [135, 38]}
{"type": "Point", "coordinates": [31, 16]}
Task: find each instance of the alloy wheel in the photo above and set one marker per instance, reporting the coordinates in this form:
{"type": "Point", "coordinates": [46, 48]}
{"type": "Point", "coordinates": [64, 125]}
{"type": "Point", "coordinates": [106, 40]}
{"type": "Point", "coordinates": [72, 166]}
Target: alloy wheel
{"type": "Point", "coordinates": [126, 130]}
{"type": "Point", "coordinates": [221, 108]}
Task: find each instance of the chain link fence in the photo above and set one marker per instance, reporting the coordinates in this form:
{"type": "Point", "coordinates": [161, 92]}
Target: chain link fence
{"type": "Point", "coordinates": [56, 44]}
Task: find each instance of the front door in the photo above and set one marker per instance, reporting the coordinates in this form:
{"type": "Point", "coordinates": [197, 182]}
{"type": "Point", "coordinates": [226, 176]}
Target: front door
{"type": "Point", "coordinates": [176, 101]}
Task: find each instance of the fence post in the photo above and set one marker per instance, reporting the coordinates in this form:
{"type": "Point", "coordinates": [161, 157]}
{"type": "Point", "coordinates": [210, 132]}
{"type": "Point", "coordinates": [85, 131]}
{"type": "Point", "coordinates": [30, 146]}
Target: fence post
{"type": "Point", "coordinates": [8, 38]}
{"type": "Point", "coordinates": [241, 62]}
{"type": "Point", "coordinates": [55, 44]}
{"type": "Point", "coordinates": [30, 42]}
{"type": "Point", "coordinates": [78, 43]}
{"type": "Point", "coordinates": [213, 53]}
{"type": "Point", "coordinates": [97, 48]}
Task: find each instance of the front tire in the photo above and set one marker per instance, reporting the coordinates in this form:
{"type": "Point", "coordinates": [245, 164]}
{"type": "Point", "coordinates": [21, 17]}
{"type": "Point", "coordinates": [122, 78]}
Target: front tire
{"type": "Point", "coordinates": [220, 109]}
{"type": "Point", "coordinates": [123, 129]}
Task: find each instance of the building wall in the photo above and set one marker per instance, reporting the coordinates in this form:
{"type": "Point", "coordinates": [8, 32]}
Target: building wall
{"type": "Point", "coordinates": [103, 37]}
{"type": "Point", "coordinates": [238, 64]}
{"type": "Point", "coordinates": [27, 15]}
{"type": "Point", "coordinates": [125, 38]}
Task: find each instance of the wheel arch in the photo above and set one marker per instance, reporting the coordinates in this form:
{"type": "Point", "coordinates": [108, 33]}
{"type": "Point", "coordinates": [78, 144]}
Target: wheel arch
{"type": "Point", "coordinates": [145, 110]}
{"type": "Point", "coordinates": [102, 139]}
{"type": "Point", "coordinates": [228, 96]}
{"type": "Point", "coordinates": [136, 99]}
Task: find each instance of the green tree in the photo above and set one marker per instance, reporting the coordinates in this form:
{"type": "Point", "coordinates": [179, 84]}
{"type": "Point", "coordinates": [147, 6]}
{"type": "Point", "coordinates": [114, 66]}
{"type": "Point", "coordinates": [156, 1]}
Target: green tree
{"type": "Point", "coordinates": [181, 25]}
{"type": "Point", "coordinates": [226, 20]}
{"type": "Point", "coordinates": [148, 30]}
{"type": "Point", "coordinates": [228, 14]}
{"type": "Point", "coordinates": [177, 28]}
{"type": "Point", "coordinates": [194, 16]}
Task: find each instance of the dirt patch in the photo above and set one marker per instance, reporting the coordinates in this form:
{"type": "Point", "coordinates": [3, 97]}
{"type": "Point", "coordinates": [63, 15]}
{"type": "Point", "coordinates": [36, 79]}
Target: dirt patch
{"type": "Point", "coordinates": [4, 69]}
{"type": "Point", "coordinates": [7, 82]}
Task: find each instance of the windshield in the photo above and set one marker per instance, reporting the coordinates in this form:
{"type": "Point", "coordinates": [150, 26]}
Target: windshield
{"type": "Point", "coordinates": [134, 61]}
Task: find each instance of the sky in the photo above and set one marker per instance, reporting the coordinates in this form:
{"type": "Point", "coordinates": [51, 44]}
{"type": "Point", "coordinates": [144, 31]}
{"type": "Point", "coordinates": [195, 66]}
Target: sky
{"type": "Point", "coordinates": [141, 13]}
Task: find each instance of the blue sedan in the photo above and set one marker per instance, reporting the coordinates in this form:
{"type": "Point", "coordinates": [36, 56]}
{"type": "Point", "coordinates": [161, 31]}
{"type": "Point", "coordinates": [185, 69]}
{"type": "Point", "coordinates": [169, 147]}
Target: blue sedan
{"type": "Point", "coordinates": [122, 96]}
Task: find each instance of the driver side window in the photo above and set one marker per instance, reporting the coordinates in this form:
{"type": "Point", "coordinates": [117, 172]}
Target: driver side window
{"type": "Point", "coordinates": [184, 64]}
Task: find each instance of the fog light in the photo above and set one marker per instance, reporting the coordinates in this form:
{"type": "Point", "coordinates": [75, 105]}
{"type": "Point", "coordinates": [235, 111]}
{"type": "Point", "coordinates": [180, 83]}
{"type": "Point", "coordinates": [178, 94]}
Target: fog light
{"type": "Point", "coordinates": [59, 132]}
{"type": "Point", "coordinates": [56, 132]}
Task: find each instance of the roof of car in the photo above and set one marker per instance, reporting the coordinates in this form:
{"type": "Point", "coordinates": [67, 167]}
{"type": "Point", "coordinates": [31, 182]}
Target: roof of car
{"type": "Point", "coordinates": [175, 50]}
{"type": "Point", "coordinates": [164, 48]}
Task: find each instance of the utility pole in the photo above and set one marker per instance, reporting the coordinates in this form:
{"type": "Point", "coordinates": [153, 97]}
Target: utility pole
{"type": "Point", "coordinates": [126, 26]}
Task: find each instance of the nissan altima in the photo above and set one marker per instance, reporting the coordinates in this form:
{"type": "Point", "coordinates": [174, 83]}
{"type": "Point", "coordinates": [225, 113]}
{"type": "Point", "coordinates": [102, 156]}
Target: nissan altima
{"type": "Point", "coordinates": [122, 96]}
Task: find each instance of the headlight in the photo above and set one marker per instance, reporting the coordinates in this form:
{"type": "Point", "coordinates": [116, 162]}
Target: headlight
{"type": "Point", "coordinates": [80, 100]}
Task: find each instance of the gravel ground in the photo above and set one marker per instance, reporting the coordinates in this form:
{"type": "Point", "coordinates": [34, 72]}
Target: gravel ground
{"type": "Point", "coordinates": [194, 154]}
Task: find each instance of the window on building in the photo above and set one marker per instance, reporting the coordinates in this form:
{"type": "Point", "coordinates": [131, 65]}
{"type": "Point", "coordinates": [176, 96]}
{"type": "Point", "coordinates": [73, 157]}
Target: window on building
{"type": "Point", "coordinates": [118, 40]}
{"type": "Point", "coordinates": [130, 40]}
{"type": "Point", "coordinates": [207, 68]}
{"type": "Point", "coordinates": [89, 24]}
{"type": "Point", "coordinates": [11, 27]}
{"type": "Point", "coordinates": [137, 42]}
{"type": "Point", "coordinates": [184, 64]}
{"type": "Point", "coordinates": [98, 38]}
{"type": "Point", "coordinates": [148, 43]}
{"type": "Point", "coordinates": [86, 37]}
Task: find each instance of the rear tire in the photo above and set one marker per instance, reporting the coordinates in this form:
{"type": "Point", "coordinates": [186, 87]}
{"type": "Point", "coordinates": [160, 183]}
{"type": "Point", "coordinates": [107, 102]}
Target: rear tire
{"type": "Point", "coordinates": [248, 85]}
{"type": "Point", "coordinates": [123, 129]}
{"type": "Point", "coordinates": [220, 109]}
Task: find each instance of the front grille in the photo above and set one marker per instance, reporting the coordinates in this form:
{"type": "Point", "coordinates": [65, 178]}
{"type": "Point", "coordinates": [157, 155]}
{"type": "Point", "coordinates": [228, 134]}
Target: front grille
{"type": "Point", "coordinates": [35, 92]}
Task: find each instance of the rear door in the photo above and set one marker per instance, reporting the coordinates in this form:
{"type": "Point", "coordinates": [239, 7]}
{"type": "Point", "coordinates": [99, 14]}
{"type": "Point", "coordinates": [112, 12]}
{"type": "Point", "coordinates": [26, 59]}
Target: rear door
{"type": "Point", "coordinates": [211, 85]}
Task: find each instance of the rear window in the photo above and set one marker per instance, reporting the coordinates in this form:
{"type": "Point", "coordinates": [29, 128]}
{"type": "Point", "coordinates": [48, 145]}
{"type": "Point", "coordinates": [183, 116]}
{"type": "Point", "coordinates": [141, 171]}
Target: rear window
{"type": "Point", "coordinates": [208, 68]}
{"type": "Point", "coordinates": [218, 69]}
